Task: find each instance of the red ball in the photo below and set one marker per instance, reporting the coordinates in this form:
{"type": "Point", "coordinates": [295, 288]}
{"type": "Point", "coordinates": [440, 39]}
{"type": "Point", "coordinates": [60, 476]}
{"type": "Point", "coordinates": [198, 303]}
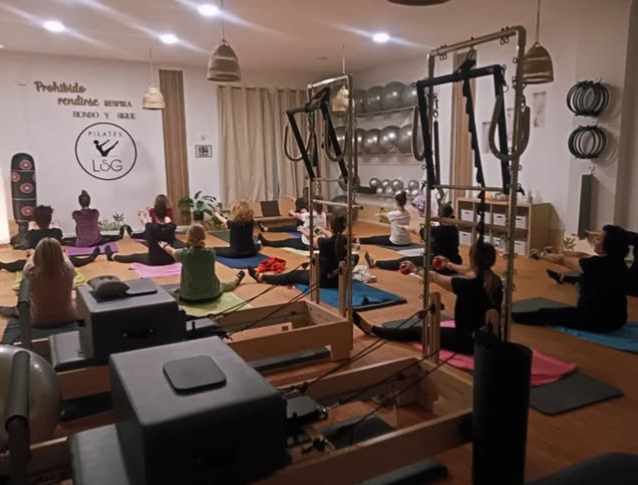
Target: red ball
{"type": "Point", "coordinates": [437, 262]}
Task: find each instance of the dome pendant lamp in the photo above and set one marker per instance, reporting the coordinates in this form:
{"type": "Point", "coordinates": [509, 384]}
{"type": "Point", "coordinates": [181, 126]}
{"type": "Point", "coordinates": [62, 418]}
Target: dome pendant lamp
{"type": "Point", "coordinates": [538, 68]}
{"type": "Point", "coordinates": [418, 3]}
{"type": "Point", "coordinates": [223, 65]}
{"type": "Point", "coordinates": [153, 98]}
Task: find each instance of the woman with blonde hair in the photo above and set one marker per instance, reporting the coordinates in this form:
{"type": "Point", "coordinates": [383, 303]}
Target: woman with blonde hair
{"type": "Point", "coordinates": [50, 274]}
{"type": "Point", "coordinates": [199, 282]}
{"type": "Point", "coordinates": [241, 226]}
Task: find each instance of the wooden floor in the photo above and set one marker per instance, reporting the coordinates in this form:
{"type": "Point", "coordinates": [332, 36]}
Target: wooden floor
{"type": "Point", "coordinates": [554, 442]}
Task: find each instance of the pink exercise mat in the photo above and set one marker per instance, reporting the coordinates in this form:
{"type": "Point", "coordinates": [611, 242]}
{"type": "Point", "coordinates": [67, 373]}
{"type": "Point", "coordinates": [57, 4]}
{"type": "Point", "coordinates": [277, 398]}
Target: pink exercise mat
{"type": "Point", "coordinates": [545, 369]}
{"type": "Point", "coordinates": [168, 271]}
{"type": "Point", "coordinates": [75, 251]}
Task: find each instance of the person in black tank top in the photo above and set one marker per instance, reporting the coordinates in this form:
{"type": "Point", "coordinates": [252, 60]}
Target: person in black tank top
{"type": "Point", "coordinates": [241, 226]}
{"type": "Point", "coordinates": [332, 250]}
{"type": "Point", "coordinates": [602, 304]}
{"type": "Point", "coordinates": [445, 242]}
{"type": "Point", "coordinates": [477, 289]}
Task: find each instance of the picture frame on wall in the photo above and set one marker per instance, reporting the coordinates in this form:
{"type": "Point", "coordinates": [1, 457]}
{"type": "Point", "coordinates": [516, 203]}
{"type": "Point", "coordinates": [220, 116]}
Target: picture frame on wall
{"type": "Point", "coordinates": [203, 151]}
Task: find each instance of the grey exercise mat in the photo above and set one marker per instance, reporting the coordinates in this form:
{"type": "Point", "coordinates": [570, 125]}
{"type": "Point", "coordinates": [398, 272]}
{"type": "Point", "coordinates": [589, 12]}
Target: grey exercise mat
{"type": "Point", "coordinates": [534, 304]}
{"type": "Point", "coordinates": [419, 473]}
{"type": "Point", "coordinates": [572, 392]}
{"type": "Point", "coordinates": [413, 322]}
{"type": "Point", "coordinates": [401, 248]}
{"type": "Point", "coordinates": [225, 236]}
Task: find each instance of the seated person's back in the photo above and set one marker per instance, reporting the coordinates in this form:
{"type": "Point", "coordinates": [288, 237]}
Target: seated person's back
{"type": "Point", "coordinates": [332, 251]}
{"type": "Point", "coordinates": [602, 301]}
{"type": "Point", "coordinates": [156, 233]}
{"type": "Point", "coordinates": [198, 282]}
{"type": "Point", "coordinates": [41, 226]}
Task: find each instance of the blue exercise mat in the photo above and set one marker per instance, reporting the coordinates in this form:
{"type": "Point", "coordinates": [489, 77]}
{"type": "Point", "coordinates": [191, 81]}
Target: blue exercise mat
{"type": "Point", "coordinates": [295, 234]}
{"type": "Point", "coordinates": [625, 338]}
{"type": "Point", "coordinates": [241, 263]}
{"type": "Point", "coordinates": [364, 297]}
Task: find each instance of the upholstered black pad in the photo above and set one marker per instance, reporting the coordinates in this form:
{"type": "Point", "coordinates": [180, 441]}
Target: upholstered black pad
{"type": "Point", "coordinates": [353, 431]}
{"type": "Point", "coordinates": [610, 469]}
{"type": "Point", "coordinates": [420, 473]}
{"type": "Point", "coordinates": [12, 331]}
{"type": "Point", "coordinates": [96, 458]}
{"type": "Point", "coordinates": [298, 358]}
{"type": "Point", "coordinates": [572, 392]}
{"type": "Point", "coordinates": [233, 433]}
{"type": "Point", "coordinates": [270, 208]}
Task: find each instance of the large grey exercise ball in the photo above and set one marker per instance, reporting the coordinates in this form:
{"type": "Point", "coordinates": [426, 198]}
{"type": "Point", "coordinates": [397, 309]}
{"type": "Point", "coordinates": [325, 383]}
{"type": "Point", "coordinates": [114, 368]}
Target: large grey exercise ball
{"type": "Point", "coordinates": [44, 395]}
{"type": "Point", "coordinates": [408, 96]}
{"type": "Point", "coordinates": [361, 134]}
{"type": "Point", "coordinates": [389, 191]}
{"type": "Point", "coordinates": [380, 191]}
{"type": "Point", "coordinates": [397, 185]}
{"type": "Point", "coordinates": [413, 184]}
{"type": "Point", "coordinates": [385, 184]}
{"type": "Point", "coordinates": [372, 99]}
{"type": "Point", "coordinates": [405, 139]}
{"type": "Point", "coordinates": [371, 141]}
{"type": "Point", "coordinates": [389, 139]}
{"type": "Point", "coordinates": [359, 101]}
{"type": "Point", "coordinates": [391, 95]}
{"type": "Point", "coordinates": [375, 182]}
{"type": "Point", "coordinates": [414, 193]}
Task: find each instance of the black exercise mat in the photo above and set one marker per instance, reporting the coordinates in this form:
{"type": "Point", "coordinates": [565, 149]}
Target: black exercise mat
{"type": "Point", "coordinates": [270, 208]}
{"type": "Point", "coordinates": [12, 331]}
{"type": "Point", "coordinates": [413, 322]}
{"type": "Point", "coordinates": [419, 473]}
{"type": "Point", "coordinates": [344, 434]}
{"type": "Point", "coordinates": [533, 304]}
{"type": "Point", "coordinates": [609, 469]}
{"type": "Point", "coordinates": [225, 236]}
{"type": "Point", "coordinates": [572, 392]}
{"type": "Point", "coordinates": [83, 407]}
{"type": "Point", "coordinates": [177, 244]}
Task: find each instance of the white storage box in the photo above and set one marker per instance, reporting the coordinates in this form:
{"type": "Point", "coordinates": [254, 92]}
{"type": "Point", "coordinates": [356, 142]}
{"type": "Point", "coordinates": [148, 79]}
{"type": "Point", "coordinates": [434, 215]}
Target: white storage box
{"type": "Point", "coordinates": [465, 238]}
{"type": "Point", "coordinates": [499, 219]}
{"type": "Point", "coordinates": [497, 242]}
{"type": "Point", "coordinates": [467, 215]}
{"type": "Point", "coordinates": [488, 217]}
{"type": "Point", "coordinates": [520, 248]}
{"type": "Point", "coordinates": [521, 222]}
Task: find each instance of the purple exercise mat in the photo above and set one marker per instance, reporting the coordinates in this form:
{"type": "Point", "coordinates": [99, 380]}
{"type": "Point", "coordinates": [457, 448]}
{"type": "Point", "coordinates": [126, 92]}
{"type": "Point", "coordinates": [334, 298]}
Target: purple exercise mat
{"type": "Point", "coordinates": [75, 251]}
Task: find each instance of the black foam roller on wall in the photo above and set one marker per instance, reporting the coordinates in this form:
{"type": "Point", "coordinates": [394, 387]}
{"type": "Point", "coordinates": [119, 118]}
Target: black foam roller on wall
{"type": "Point", "coordinates": [502, 378]}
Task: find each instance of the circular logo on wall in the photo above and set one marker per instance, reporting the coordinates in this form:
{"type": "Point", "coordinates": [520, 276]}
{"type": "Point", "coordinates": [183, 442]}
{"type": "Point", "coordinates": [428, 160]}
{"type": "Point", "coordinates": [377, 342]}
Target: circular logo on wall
{"type": "Point", "coordinates": [106, 151]}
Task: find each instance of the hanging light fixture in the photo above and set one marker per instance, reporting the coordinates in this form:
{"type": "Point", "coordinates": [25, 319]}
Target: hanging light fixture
{"type": "Point", "coordinates": [223, 65]}
{"type": "Point", "coordinates": [341, 101]}
{"type": "Point", "coordinates": [153, 98]}
{"type": "Point", "coordinates": [538, 68]}
{"type": "Point", "coordinates": [418, 3]}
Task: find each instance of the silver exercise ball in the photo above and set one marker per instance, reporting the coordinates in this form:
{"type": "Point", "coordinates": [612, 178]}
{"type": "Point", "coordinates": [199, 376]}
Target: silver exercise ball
{"type": "Point", "coordinates": [414, 193]}
{"type": "Point", "coordinates": [371, 141]}
{"type": "Point", "coordinates": [341, 136]}
{"type": "Point", "coordinates": [375, 182]}
{"type": "Point", "coordinates": [408, 96]}
{"type": "Point", "coordinates": [413, 184]}
{"type": "Point", "coordinates": [380, 191]}
{"type": "Point", "coordinates": [45, 398]}
{"type": "Point", "coordinates": [372, 99]}
{"type": "Point", "coordinates": [359, 101]}
{"type": "Point", "coordinates": [397, 185]}
{"type": "Point", "coordinates": [361, 134]}
{"type": "Point", "coordinates": [405, 140]}
{"type": "Point", "coordinates": [389, 139]}
{"type": "Point", "coordinates": [391, 95]}
{"type": "Point", "coordinates": [385, 184]}
{"type": "Point", "coordinates": [389, 191]}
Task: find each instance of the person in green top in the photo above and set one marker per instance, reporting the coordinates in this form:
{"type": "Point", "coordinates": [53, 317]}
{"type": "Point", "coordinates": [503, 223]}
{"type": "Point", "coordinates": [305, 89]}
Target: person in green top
{"type": "Point", "coordinates": [199, 282]}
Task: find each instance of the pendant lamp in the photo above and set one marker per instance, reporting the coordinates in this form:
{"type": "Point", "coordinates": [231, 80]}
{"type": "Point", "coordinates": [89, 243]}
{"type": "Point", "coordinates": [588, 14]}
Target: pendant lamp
{"type": "Point", "coordinates": [341, 101]}
{"type": "Point", "coordinates": [223, 65]}
{"type": "Point", "coordinates": [418, 3]}
{"type": "Point", "coordinates": [538, 68]}
{"type": "Point", "coordinates": [153, 98]}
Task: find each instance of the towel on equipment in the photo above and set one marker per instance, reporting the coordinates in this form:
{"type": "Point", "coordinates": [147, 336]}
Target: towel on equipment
{"type": "Point", "coordinates": [272, 265]}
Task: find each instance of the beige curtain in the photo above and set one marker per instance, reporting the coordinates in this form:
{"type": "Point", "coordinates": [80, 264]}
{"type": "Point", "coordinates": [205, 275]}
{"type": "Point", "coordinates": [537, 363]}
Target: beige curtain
{"type": "Point", "coordinates": [462, 167]}
{"type": "Point", "coordinates": [253, 164]}
{"type": "Point", "coordinates": [174, 126]}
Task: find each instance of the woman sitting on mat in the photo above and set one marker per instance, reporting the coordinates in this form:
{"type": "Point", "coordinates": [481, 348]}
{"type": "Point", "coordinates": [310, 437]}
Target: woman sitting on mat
{"type": "Point", "coordinates": [199, 282]}
{"type": "Point", "coordinates": [87, 229]}
{"type": "Point", "coordinates": [241, 226]}
{"type": "Point", "coordinates": [477, 288]}
{"type": "Point", "coordinates": [161, 205]}
{"type": "Point", "coordinates": [301, 206]}
{"type": "Point", "coordinates": [445, 242]}
{"type": "Point", "coordinates": [51, 277]}
{"type": "Point", "coordinates": [332, 250]}
{"type": "Point", "coordinates": [399, 218]}
{"type": "Point", "coordinates": [602, 304]}
{"type": "Point", "coordinates": [155, 232]}
{"type": "Point", "coordinates": [319, 223]}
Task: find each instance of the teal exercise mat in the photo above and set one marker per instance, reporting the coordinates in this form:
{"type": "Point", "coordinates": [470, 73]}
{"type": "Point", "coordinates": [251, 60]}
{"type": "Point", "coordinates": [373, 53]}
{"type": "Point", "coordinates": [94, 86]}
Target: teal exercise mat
{"type": "Point", "coordinates": [364, 297]}
{"type": "Point", "coordinates": [625, 338]}
{"type": "Point", "coordinates": [575, 391]}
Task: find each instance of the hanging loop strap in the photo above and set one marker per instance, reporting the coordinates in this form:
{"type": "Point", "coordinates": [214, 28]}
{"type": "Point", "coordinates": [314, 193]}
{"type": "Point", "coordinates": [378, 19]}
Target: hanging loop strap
{"type": "Point", "coordinates": [419, 156]}
{"type": "Point", "coordinates": [499, 106]}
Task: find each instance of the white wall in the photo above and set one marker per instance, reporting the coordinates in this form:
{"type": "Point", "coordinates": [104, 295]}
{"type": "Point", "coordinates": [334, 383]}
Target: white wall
{"type": "Point", "coordinates": [35, 123]}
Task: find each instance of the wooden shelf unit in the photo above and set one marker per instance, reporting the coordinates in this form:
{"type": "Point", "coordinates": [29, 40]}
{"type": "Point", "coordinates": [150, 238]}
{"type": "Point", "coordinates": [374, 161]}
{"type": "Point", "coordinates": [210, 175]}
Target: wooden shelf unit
{"type": "Point", "coordinates": [533, 223]}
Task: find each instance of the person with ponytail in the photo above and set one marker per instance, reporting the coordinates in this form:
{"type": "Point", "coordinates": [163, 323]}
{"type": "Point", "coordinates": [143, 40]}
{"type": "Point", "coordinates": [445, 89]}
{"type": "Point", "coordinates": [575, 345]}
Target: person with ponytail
{"type": "Point", "coordinates": [332, 250]}
{"type": "Point", "coordinates": [87, 229]}
{"type": "Point", "coordinates": [602, 285]}
{"type": "Point", "coordinates": [319, 224]}
{"type": "Point", "coordinates": [399, 220]}
{"type": "Point", "coordinates": [477, 288]}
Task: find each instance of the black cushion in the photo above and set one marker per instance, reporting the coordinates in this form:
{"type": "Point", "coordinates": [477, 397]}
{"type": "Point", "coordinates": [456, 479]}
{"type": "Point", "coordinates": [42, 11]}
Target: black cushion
{"type": "Point", "coordinates": [610, 469]}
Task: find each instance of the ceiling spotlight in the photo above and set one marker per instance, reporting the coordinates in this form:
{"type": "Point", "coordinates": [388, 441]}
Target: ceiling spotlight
{"type": "Point", "coordinates": [54, 26]}
{"type": "Point", "coordinates": [169, 39]}
{"type": "Point", "coordinates": [381, 38]}
{"type": "Point", "coordinates": [208, 10]}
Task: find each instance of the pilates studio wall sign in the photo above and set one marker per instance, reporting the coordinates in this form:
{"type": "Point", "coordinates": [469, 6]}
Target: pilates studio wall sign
{"type": "Point", "coordinates": [106, 151]}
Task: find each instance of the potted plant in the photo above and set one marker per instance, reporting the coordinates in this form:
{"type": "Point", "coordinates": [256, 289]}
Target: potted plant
{"type": "Point", "coordinates": [199, 205]}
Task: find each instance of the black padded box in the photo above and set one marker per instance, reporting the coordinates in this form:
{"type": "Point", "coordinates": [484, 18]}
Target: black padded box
{"type": "Point", "coordinates": [232, 433]}
{"type": "Point", "coordinates": [148, 319]}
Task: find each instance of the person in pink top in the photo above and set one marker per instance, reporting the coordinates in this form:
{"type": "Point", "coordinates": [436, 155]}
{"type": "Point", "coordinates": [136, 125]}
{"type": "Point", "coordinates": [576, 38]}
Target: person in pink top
{"type": "Point", "coordinates": [87, 227]}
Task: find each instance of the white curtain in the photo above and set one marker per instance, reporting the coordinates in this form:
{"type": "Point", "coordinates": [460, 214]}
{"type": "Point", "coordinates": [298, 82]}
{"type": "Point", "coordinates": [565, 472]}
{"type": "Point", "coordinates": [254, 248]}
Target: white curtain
{"type": "Point", "coordinates": [253, 165]}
